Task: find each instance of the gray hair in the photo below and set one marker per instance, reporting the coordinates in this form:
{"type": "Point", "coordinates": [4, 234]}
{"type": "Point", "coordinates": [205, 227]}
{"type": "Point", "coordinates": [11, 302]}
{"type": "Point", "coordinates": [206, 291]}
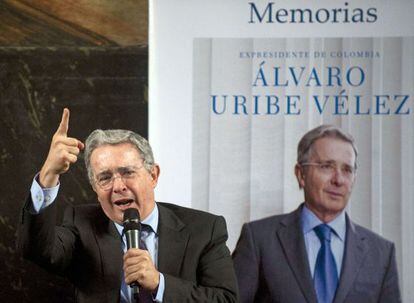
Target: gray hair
{"type": "Point", "coordinates": [322, 131]}
{"type": "Point", "coordinates": [101, 137]}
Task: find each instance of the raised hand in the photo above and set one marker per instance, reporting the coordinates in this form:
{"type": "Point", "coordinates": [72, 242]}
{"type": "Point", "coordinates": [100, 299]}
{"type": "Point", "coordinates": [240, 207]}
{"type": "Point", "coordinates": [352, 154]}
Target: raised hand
{"type": "Point", "coordinates": [62, 153]}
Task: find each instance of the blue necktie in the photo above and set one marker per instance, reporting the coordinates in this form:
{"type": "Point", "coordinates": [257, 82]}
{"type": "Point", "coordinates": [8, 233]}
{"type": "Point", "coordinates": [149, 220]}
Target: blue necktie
{"type": "Point", "coordinates": [326, 276]}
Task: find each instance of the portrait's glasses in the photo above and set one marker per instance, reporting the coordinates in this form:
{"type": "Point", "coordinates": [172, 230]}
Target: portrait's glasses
{"type": "Point", "coordinates": [105, 180]}
{"type": "Point", "coordinates": [331, 167]}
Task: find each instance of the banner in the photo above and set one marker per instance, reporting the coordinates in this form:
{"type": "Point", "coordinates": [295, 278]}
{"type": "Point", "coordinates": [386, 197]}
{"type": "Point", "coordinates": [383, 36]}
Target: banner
{"type": "Point", "coordinates": [235, 84]}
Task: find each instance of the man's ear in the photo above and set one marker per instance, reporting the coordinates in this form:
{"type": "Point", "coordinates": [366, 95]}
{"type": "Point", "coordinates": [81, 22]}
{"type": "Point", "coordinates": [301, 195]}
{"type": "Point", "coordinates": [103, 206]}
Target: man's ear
{"type": "Point", "coordinates": [155, 173]}
{"type": "Point", "coordinates": [300, 176]}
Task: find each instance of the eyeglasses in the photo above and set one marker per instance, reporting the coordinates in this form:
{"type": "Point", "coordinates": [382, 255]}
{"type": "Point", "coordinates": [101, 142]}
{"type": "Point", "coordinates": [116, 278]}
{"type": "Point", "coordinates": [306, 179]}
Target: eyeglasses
{"type": "Point", "coordinates": [331, 167]}
{"type": "Point", "coordinates": [106, 179]}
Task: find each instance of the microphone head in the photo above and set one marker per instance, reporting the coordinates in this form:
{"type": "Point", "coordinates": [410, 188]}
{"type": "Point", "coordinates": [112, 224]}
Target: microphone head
{"type": "Point", "coordinates": [131, 214]}
{"type": "Point", "coordinates": [131, 219]}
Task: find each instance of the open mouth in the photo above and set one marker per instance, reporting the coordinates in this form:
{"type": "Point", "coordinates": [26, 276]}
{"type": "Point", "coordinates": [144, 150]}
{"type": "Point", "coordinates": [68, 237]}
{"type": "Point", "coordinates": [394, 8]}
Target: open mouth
{"type": "Point", "coordinates": [123, 203]}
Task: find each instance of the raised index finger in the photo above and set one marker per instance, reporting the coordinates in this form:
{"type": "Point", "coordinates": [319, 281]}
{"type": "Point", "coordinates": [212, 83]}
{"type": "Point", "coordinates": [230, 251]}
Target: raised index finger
{"type": "Point", "coordinates": [64, 123]}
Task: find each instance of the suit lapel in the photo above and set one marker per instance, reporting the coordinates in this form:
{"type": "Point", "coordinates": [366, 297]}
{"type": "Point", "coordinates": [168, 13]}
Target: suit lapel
{"type": "Point", "coordinates": [110, 251]}
{"type": "Point", "coordinates": [173, 240]}
{"type": "Point", "coordinates": [355, 251]}
{"type": "Point", "coordinates": [292, 241]}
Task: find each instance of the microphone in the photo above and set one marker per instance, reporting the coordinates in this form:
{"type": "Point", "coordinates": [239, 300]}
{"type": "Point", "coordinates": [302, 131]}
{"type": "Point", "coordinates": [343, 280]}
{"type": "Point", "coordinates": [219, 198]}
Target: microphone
{"type": "Point", "coordinates": [132, 231]}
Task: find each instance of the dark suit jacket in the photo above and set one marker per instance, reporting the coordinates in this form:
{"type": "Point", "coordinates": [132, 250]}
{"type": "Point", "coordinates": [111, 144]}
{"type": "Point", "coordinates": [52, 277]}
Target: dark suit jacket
{"type": "Point", "coordinates": [192, 252]}
{"type": "Point", "coordinates": [272, 265]}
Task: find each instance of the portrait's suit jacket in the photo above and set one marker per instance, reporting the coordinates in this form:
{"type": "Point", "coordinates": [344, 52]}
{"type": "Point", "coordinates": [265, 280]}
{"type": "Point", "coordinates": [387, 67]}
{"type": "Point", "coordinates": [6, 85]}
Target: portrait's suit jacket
{"type": "Point", "coordinates": [87, 248]}
{"type": "Point", "coordinates": [271, 264]}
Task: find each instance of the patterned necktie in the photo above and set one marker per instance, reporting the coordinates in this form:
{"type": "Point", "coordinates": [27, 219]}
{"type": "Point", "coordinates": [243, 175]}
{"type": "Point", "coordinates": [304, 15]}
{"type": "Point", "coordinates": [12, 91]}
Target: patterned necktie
{"type": "Point", "coordinates": [144, 296]}
{"type": "Point", "coordinates": [326, 276]}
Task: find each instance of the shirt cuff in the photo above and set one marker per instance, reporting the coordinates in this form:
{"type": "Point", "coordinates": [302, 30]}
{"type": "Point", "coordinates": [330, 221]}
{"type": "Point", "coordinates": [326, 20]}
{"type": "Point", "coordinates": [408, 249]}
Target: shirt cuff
{"type": "Point", "coordinates": [160, 291]}
{"type": "Point", "coordinates": [42, 197]}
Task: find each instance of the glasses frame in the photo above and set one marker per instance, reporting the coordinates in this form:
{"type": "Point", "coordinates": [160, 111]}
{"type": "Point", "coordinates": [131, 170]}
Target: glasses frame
{"type": "Point", "coordinates": [333, 167]}
{"type": "Point", "coordinates": [118, 174]}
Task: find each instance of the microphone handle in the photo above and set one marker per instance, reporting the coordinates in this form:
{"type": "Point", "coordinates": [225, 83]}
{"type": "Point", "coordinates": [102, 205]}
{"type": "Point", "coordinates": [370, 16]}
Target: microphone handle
{"type": "Point", "coordinates": [132, 237]}
{"type": "Point", "coordinates": [135, 290]}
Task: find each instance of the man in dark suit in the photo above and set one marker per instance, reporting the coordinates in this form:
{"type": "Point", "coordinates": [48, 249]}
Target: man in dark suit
{"type": "Point", "coordinates": [316, 253]}
{"type": "Point", "coordinates": [183, 257]}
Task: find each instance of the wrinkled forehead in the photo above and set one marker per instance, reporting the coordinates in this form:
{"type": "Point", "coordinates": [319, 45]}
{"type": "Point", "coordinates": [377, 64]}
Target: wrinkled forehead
{"type": "Point", "coordinates": [112, 157]}
{"type": "Point", "coordinates": [332, 149]}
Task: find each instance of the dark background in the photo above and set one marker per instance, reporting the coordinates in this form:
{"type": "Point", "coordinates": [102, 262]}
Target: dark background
{"type": "Point", "coordinates": [88, 55]}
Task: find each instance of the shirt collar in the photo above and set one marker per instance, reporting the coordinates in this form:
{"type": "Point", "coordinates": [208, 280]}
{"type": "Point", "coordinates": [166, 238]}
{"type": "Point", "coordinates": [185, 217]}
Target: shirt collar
{"type": "Point", "coordinates": [151, 220]}
{"type": "Point", "coordinates": [309, 221]}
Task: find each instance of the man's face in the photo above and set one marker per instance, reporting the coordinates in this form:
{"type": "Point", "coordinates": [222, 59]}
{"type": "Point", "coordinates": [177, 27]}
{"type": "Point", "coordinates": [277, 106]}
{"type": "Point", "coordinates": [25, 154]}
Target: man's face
{"type": "Point", "coordinates": [127, 183]}
{"type": "Point", "coordinates": [328, 178]}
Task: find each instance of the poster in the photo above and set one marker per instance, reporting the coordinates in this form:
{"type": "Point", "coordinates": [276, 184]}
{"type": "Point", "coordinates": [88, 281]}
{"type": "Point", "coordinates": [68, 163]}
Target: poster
{"type": "Point", "coordinates": [234, 86]}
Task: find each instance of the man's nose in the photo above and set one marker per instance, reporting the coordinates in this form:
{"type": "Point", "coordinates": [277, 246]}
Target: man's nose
{"type": "Point", "coordinates": [338, 177]}
{"type": "Point", "coordinates": [118, 184]}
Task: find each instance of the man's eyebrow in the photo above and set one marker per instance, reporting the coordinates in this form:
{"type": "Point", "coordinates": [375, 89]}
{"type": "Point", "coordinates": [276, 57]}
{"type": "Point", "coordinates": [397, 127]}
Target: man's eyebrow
{"type": "Point", "coordinates": [330, 161]}
{"type": "Point", "coordinates": [327, 161]}
{"type": "Point", "coordinates": [320, 160]}
{"type": "Point", "coordinates": [126, 167]}
{"type": "Point", "coordinates": [106, 171]}
{"type": "Point", "coordinates": [120, 168]}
